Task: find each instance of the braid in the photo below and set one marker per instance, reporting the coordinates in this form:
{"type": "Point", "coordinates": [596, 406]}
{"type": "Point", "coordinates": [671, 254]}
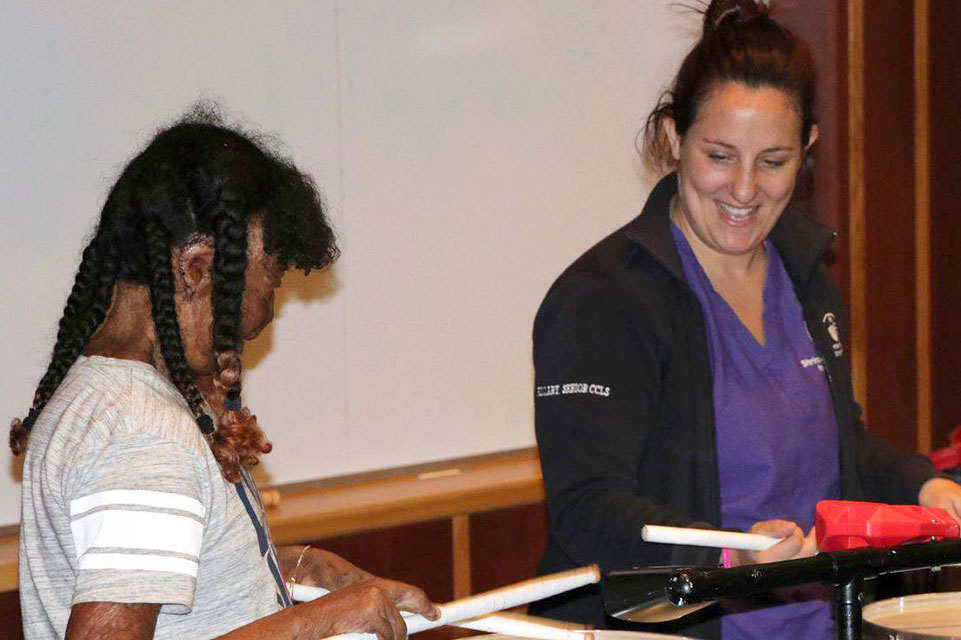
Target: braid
{"type": "Point", "coordinates": [196, 178]}
{"type": "Point", "coordinates": [164, 311]}
{"type": "Point", "coordinates": [85, 309]}
{"type": "Point", "coordinates": [238, 438]}
{"type": "Point", "coordinates": [230, 264]}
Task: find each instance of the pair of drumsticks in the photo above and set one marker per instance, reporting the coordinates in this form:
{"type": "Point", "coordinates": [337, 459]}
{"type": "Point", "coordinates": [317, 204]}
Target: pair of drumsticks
{"type": "Point", "coordinates": [839, 525]}
{"type": "Point", "coordinates": [474, 612]}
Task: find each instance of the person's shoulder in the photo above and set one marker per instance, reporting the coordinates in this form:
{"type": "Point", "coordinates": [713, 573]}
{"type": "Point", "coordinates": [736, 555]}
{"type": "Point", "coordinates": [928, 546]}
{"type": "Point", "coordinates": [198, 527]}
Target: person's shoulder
{"type": "Point", "coordinates": [614, 268]}
{"type": "Point", "coordinates": [613, 255]}
{"type": "Point", "coordinates": [155, 407]}
{"type": "Point", "coordinates": [133, 398]}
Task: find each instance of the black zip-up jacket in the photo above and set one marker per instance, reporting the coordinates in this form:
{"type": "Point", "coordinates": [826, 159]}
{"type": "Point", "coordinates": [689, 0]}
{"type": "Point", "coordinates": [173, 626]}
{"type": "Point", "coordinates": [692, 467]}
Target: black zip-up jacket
{"type": "Point", "coordinates": [624, 406]}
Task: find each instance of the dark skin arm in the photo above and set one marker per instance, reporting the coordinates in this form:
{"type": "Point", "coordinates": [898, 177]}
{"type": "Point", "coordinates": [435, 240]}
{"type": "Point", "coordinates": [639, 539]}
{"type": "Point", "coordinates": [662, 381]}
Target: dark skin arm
{"type": "Point", "coordinates": [370, 606]}
{"type": "Point", "coordinates": [112, 620]}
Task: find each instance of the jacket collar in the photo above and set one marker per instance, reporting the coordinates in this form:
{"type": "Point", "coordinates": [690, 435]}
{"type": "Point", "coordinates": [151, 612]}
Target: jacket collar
{"type": "Point", "coordinates": [800, 241]}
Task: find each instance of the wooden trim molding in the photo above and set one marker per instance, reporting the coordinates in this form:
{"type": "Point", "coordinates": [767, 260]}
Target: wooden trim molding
{"type": "Point", "coordinates": [374, 504]}
{"type": "Point", "coordinates": [858, 280]}
{"type": "Point", "coordinates": [446, 491]}
{"type": "Point", "coordinates": [460, 544]}
{"type": "Point", "coordinates": [922, 222]}
{"type": "Point", "coordinates": [8, 562]}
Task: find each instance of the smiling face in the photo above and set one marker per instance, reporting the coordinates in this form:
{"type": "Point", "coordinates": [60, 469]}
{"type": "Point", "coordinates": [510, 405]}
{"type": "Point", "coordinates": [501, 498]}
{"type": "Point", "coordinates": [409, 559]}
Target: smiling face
{"type": "Point", "coordinates": [737, 166]}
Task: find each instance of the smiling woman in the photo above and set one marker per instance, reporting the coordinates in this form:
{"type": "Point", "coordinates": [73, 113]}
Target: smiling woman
{"type": "Point", "coordinates": [715, 329]}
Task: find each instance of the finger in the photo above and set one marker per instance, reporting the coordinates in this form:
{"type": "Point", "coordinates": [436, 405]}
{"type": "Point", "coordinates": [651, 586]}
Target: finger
{"type": "Point", "coordinates": [380, 626]}
{"type": "Point", "coordinates": [410, 598]}
{"type": "Point", "coordinates": [956, 509]}
{"type": "Point", "coordinates": [416, 600]}
{"type": "Point", "coordinates": [397, 625]}
{"type": "Point", "coordinates": [786, 548]}
{"type": "Point", "coordinates": [775, 528]}
{"type": "Point", "coordinates": [953, 504]}
{"type": "Point", "coordinates": [794, 539]}
{"type": "Point", "coordinates": [810, 546]}
{"type": "Point", "coordinates": [353, 577]}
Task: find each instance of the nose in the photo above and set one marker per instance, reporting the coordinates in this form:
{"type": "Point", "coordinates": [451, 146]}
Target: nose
{"type": "Point", "coordinates": [744, 185]}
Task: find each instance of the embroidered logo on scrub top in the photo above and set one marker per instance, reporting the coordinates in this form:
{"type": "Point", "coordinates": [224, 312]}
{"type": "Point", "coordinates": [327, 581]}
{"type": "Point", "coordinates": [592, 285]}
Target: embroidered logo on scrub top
{"type": "Point", "coordinates": [832, 326]}
{"type": "Point", "coordinates": [815, 361]}
{"type": "Point", "coordinates": [570, 388]}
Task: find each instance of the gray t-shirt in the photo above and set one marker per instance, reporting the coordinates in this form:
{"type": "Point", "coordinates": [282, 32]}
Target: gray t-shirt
{"type": "Point", "coordinates": [124, 502]}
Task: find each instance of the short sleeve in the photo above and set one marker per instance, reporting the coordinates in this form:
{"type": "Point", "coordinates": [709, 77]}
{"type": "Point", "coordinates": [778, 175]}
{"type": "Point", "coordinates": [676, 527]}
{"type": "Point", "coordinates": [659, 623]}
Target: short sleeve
{"type": "Point", "coordinates": [137, 517]}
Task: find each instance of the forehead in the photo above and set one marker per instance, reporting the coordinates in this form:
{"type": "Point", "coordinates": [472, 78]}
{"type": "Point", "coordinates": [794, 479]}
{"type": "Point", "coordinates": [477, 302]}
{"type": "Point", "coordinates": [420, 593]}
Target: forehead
{"type": "Point", "coordinates": [734, 113]}
{"type": "Point", "coordinates": [255, 245]}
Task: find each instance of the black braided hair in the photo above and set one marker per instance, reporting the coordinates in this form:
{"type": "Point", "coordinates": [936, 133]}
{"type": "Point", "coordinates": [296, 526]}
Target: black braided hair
{"type": "Point", "coordinates": [195, 179]}
{"type": "Point", "coordinates": [230, 263]}
{"type": "Point", "coordinates": [164, 312]}
{"type": "Point", "coordinates": [85, 309]}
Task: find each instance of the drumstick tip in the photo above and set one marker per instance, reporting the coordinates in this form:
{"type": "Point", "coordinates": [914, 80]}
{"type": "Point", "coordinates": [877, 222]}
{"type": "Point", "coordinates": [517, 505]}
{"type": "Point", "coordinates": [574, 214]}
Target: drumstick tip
{"type": "Point", "coordinates": [595, 573]}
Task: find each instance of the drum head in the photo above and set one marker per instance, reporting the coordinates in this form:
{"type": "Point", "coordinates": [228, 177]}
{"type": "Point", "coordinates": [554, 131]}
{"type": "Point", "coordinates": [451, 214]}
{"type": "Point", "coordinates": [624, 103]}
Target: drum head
{"type": "Point", "coordinates": [929, 616]}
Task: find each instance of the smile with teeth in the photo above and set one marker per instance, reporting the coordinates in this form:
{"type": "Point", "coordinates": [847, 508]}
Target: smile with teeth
{"type": "Point", "coordinates": [735, 214]}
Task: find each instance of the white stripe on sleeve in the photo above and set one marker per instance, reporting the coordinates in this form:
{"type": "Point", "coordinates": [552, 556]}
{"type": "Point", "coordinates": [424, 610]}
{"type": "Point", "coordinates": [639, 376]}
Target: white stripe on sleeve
{"type": "Point", "coordinates": [136, 562]}
{"type": "Point", "coordinates": [158, 499]}
{"type": "Point", "coordinates": [137, 530]}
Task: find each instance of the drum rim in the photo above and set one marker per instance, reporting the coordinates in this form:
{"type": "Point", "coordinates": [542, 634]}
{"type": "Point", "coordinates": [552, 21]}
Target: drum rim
{"type": "Point", "coordinates": [903, 604]}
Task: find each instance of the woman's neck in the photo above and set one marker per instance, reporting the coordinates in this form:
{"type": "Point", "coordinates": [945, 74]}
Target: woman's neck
{"type": "Point", "coordinates": [721, 267]}
{"type": "Point", "coordinates": [127, 333]}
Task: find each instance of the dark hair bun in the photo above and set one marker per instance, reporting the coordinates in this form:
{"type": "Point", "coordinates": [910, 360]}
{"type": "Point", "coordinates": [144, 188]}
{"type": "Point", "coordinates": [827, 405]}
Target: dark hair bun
{"type": "Point", "coordinates": [730, 12]}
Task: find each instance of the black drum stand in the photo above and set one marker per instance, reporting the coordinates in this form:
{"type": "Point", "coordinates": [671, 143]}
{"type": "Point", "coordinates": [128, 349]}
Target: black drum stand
{"type": "Point", "coordinates": [845, 570]}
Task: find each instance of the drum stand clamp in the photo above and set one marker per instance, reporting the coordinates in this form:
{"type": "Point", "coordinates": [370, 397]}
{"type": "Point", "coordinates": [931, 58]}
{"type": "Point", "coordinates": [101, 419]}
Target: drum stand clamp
{"type": "Point", "coordinates": [845, 570]}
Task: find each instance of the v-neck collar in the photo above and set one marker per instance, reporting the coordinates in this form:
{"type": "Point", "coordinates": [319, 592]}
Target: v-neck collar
{"type": "Point", "coordinates": [745, 338]}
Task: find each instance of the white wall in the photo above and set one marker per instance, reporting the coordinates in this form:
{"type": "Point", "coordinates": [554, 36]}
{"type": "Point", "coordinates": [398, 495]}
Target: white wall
{"type": "Point", "coordinates": [469, 151]}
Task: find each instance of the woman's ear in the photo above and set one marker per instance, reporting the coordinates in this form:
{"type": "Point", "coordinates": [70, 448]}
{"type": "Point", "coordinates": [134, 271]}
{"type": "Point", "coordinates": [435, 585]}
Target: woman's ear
{"type": "Point", "coordinates": [812, 137]}
{"type": "Point", "coordinates": [195, 265]}
{"type": "Point", "coordinates": [673, 139]}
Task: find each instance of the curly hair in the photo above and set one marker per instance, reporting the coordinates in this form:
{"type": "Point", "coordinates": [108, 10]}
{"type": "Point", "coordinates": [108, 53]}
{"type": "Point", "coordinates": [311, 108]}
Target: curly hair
{"type": "Point", "coordinates": [197, 178]}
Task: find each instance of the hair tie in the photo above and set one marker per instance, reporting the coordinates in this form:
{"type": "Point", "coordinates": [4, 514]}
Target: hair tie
{"type": "Point", "coordinates": [206, 424]}
{"type": "Point", "coordinates": [232, 399]}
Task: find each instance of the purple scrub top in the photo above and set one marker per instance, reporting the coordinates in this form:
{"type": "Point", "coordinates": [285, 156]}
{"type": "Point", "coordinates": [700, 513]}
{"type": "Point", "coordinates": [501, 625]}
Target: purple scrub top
{"type": "Point", "coordinates": [777, 437]}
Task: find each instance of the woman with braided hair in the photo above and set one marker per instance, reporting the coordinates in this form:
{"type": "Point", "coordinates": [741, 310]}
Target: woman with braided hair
{"type": "Point", "coordinates": [140, 518]}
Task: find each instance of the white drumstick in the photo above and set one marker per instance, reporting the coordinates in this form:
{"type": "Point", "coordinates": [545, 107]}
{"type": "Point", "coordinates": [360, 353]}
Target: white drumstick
{"type": "Point", "coordinates": [496, 600]}
{"type": "Point", "coordinates": [505, 624]}
{"type": "Point", "coordinates": [522, 627]}
{"type": "Point", "coordinates": [707, 538]}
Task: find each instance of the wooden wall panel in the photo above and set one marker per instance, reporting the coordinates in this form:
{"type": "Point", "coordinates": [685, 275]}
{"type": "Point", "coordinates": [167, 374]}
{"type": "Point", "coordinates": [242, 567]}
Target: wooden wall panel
{"type": "Point", "coordinates": [10, 627]}
{"type": "Point", "coordinates": [506, 545]}
{"type": "Point", "coordinates": [945, 189]}
{"type": "Point", "coordinates": [889, 260]}
{"type": "Point", "coordinates": [821, 23]}
{"type": "Point", "coordinates": [417, 553]}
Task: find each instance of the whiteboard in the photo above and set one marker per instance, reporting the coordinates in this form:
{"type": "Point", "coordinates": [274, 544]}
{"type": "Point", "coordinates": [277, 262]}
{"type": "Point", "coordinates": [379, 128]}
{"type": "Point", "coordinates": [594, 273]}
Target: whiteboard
{"type": "Point", "coordinates": [468, 151]}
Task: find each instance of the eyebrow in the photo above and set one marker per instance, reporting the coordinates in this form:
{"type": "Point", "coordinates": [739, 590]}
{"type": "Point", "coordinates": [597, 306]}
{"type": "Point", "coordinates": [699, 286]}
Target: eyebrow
{"type": "Point", "coordinates": [731, 146]}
